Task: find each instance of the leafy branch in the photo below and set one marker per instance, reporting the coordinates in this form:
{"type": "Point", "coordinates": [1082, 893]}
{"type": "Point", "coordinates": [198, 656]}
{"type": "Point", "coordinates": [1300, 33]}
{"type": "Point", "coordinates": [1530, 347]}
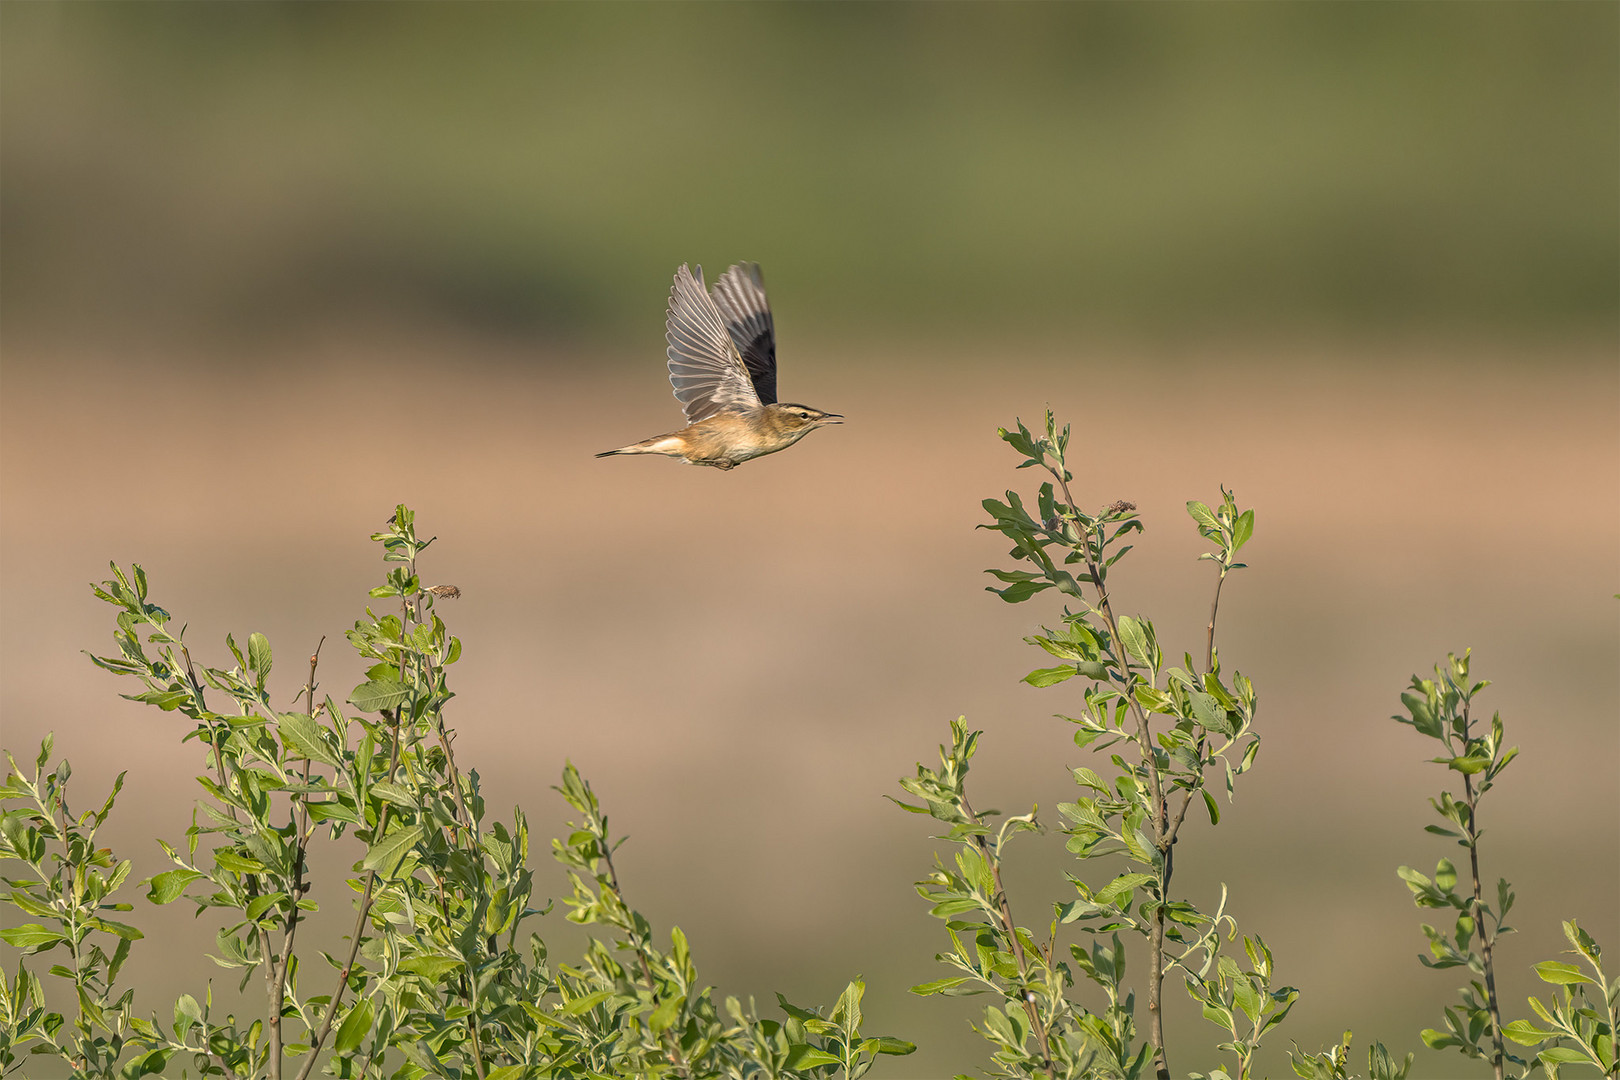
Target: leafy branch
{"type": "Point", "coordinates": [1174, 725]}
{"type": "Point", "coordinates": [434, 980]}
{"type": "Point", "coordinates": [1573, 1029]}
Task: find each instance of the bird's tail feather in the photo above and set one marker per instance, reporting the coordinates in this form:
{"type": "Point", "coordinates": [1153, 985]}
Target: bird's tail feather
{"type": "Point", "coordinates": [659, 444]}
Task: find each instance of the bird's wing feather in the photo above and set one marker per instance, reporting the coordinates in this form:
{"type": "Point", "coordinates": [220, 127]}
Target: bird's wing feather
{"type": "Point", "coordinates": [740, 295]}
{"type": "Point", "coordinates": [704, 365]}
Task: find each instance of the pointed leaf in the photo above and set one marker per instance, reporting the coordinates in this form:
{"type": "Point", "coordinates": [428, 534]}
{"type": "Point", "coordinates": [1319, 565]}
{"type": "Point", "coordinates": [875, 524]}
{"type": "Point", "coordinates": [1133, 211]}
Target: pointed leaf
{"type": "Point", "coordinates": [386, 855]}
{"type": "Point", "coordinates": [169, 886]}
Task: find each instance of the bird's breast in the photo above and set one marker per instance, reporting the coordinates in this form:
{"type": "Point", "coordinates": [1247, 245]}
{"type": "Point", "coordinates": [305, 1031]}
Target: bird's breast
{"type": "Point", "coordinates": [730, 436]}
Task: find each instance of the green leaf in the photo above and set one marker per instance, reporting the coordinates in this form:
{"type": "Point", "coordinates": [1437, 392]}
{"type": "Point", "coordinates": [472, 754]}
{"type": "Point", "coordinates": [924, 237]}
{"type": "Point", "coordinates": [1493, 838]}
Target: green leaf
{"type": "Point", "coordinates": [333, 810]}
{"type": "Point", "coordinates": [940, 986]}
{"type": "Point", "coordinates": [1208, 711]}
{"type": "Point", "coordinates": [167, 700]}
{"type": "Point", "coordinates": [1133, 637]}
{"type": "Point", "coordinates": [586, 1002]}
{"type": "Point", "coordinates": [186, 1010]}
{"type": "Point", "coordinates": [805, 1056]}
{"type": "Point", "coordinates": [1525, 1033]}
{"type": "Point", "coordinates": [1202, 514]}
{"type": "Point", "coordinates": [664, 1017]}
{"type": "Point", "coordinates": [386, 855]}
{"type": "Point", "coordinates": [794, 1011]}
{"type": "Point", "coordinates": [1050, 676]}
{"type": "Point", "coordinates": [151, 1063]}
{"type": "Point", "coordinates": [1563, 1055]}
{"type": "Point", "coordinates": [259, 655]}
{"type": "Point", "coordinates": [1090, 779]}
{"type": "Point", "coordinates": [375, 695]}
{"type": "Point", "coordinates": [1559, 973]}
{"type": "Point", "coordinates": [1063, 650]}
{"type": "Point", "coordinates": [354, 1027]}
{"type": "Point", "coordinates": [301, 735]}
{"type": "Point", "coordinates": [422, 1056]}
{"type": "Point", "coordinates": [169, 886]}
{"type": "Point", "coordinates": [31, 936]}
{"type": "Point", "coordinates": [1019, 591]}
{"type": "Point", "coordinates": [434, 968]}
{"type": "Point", "coordinates": [389, 791]}
{"type": "Point", "coordinates": [1154, 701]}
{"type": "Point", "coordinates": [1246, 997]}
{"type": "Point", "coordinates": [237, 863]}
{"type": "Point", "coordinates": [1067, 584]}
{"type": "Point", "coordinates": [1242, 530]}
{"type": "Point", "coordinates": [847, 1012]}
{"type": "Point", "coordinates": [29, 905]}
{"type": "Point", "coordinates": [1445, 875]}
{"type": "Point", "coordinates": [1136, 844]}
{"type": "Point", "coordinates": [1122, 886]}
{"type": "Point", "coordinates": [261, 904]}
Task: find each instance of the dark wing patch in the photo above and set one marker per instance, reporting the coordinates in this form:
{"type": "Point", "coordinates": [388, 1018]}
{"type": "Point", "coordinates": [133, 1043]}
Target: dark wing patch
{"type": "Point", "coordinates": [704, 367]}
{"type": "Point", "coordinates": [740, 296]}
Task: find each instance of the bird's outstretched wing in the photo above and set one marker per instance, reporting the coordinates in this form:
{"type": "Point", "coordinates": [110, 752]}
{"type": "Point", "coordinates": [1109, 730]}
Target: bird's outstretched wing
{"type": "Point", "coordinates": [704, 365]}
{"type": "Point", "coordinates": [740, 296]}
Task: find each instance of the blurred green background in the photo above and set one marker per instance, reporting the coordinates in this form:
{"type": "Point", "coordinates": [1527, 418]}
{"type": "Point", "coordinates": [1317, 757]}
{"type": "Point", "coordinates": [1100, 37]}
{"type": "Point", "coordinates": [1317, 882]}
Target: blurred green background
{"type": "Point", "coordinates": [1357, 261]}
{"type": "Point", "coordinates": [1158, 169]}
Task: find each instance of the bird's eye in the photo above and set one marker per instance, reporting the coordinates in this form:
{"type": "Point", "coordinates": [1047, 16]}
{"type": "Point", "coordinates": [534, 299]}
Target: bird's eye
{"type": "Point", "coordinates": [804, 416]}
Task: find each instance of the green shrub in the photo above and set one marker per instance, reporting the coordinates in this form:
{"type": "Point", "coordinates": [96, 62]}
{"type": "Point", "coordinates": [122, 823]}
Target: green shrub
{"type": "Point", "coordinates": [439, 978]}
{"type": "Point", "coordinates": [442, 976]}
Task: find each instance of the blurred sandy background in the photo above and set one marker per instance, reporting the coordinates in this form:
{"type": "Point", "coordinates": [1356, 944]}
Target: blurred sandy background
{"type": "Point", "coordinates": [268, 270]}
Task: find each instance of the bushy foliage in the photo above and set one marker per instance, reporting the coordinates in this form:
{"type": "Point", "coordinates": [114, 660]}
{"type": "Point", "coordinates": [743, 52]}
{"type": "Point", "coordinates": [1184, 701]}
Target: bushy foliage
{"type": "Point", "coordinates": [1162, 737]}
{"type": "Point", "coordinates": [445, 975]}
{"type": "Point", "coordinates": [442, 976]}
{"type": "Point", "coordinates": [1166, 731]}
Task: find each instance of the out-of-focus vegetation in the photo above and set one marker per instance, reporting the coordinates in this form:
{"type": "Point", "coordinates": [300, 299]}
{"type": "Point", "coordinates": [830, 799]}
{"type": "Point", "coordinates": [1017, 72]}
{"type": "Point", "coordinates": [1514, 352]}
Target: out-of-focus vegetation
{"type": "Point", "coordinates": [928, 168]}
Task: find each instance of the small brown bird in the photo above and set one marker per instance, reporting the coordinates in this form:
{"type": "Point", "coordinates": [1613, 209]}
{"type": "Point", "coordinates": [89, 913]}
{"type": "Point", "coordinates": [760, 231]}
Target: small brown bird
{"type": "Point", "coordinates": [722, 363]}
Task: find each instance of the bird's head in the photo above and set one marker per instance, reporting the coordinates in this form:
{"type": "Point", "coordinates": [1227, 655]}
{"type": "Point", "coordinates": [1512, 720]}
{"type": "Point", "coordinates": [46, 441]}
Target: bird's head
{"type": "Point", "coordinates": [793, 419]}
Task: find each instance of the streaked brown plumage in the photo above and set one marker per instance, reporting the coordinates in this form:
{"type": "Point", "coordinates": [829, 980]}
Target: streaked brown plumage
{"type": "Point", "coordinates": [722, 363]}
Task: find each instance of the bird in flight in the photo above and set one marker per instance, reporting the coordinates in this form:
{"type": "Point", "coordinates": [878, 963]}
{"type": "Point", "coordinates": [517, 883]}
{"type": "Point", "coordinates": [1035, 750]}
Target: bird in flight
{"type": "Point", "coordinates": [722, 363]}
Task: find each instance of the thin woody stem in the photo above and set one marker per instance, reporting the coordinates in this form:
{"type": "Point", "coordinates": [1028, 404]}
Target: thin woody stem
{"type": "Point", "coordinates": [216, 737]}
{"type": "Point", "coordinates": [213, 733]}
{"type": "Point", "coordinates": [279, 970]}
{"type": "Point", "coordinates": [1209, 668]}
{"type": "Point", "coordinates": [410, 613]}
{"type": "Point", "coordinates": [1145, 737]}
{"type": "Point", "coordinates": [1472, 801]}
{"type": "Point", "coordinates": [1181, 813]}
{"type": "Point", "coordinates": [1010, 928]}
{"type": "Point", "coordinates": [446, 738]}
{"type": "Point", "coordinates": [671, 1046]}
{"type": "Point", "coordinates": [1484, 938]}
{"type": "Point", "coordinates": [1161, 834]}
{"type": "Point", "coordinates": [1214, 608]}
{"type": "Point", "coordinates": [364, 911]}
